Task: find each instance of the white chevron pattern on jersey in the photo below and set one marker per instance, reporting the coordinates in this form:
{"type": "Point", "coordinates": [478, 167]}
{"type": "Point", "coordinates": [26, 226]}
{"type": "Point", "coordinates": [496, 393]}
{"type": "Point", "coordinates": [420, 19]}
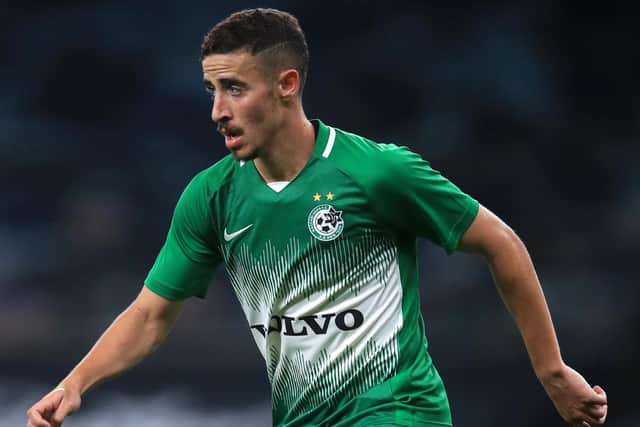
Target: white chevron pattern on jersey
{"type": "Point", "coordinates": [318, 281]}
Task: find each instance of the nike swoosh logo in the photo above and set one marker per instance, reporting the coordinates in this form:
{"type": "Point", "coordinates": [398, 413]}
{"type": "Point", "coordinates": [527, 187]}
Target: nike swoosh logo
{"type": "Point", "coordinates": [229, 236]}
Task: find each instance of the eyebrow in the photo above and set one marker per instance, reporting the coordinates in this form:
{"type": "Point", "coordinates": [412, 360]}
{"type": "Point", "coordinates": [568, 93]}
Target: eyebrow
{"type": "Point", "coordinates": [226, 82]}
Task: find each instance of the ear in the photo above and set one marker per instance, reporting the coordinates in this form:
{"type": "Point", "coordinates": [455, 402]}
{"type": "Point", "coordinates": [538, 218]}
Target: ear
{"type": "Point", "coordinates": [289, 83]}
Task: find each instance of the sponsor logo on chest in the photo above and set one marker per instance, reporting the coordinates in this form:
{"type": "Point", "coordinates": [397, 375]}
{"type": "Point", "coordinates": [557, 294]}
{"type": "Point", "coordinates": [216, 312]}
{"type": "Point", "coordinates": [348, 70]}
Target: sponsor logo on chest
{"type": "Point", "coordinates": [347, 320]}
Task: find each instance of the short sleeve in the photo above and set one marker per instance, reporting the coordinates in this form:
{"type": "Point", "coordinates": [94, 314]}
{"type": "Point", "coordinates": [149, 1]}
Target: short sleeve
{"type": "Point", "coordinates": [411, 196]}
{"type": "Point", "coordinates": [189, 256]}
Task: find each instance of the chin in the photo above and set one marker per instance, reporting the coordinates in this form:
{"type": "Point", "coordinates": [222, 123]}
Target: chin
{"type": "Point", "coordinates": [243, 155]}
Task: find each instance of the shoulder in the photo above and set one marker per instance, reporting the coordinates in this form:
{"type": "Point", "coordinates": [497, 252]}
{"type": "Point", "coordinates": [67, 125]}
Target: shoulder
{"type": "Point", "coordinates": [208, 181]}
{"type": "Point", "coordinates": [192, 211]}
{"type": "Point", "coordinates": [350, 147]}
{"type": "Point", "coordinates": [368, 160]}
{"type": "Point", "coordinates": [194, 202]}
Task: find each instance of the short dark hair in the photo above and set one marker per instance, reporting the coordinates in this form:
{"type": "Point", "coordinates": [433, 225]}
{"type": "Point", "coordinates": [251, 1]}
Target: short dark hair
{"type": "Point", "coordinates": [273, 33]}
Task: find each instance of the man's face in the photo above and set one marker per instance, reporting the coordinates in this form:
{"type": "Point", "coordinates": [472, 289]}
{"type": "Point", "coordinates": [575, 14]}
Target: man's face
{"type": "Point", "coordinates": [245, 105]}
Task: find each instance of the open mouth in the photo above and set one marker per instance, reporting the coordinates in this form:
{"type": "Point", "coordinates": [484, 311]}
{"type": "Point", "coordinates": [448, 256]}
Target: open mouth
{"type": "Point", "coordinates": [231, 136]}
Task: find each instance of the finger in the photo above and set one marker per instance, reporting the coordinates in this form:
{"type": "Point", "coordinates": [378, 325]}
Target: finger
{"type": "Point", "coordinates": [47, 407]}
{"type": "Point", "coordinates": [69, 405]}
{"type": "Point", "coordinates": [41, 412]}
{"type": "Point", "coordinates": [594, 408]}
{"type": "Point", "coordinates": [34, 419]}
{"type": "Point", "coordinates": [51, 402]}
{"type": "Point", "coordinates": [597, 411]}
{"type": "Point", "coordinates": [597, 398]}
{"type": "Point", "coordinates": [604, 417]}
{"type": "Point", "coordinates": [599, 390]}
{"type": "Point", "coordinates": [589, 420]}
{"type": "Point", "coordinates": [60, 414]}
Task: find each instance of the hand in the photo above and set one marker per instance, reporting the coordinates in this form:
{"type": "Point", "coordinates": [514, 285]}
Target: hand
{"type": "Point", "coordinates": [52, 409]}
{"type": "Point", "coordinates": [578, 403]}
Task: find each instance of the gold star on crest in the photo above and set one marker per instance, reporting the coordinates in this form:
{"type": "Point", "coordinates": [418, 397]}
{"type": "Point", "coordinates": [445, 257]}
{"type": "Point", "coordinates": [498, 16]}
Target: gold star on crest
{"type": "Point", "coordinates": [329, 195]}
{"type": "Point", "coordinates": [316, 197]}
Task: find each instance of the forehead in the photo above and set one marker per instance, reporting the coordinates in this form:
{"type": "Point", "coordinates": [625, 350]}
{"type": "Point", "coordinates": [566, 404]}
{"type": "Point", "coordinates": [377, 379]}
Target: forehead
{"type": "Point", "coordinates": [238, 64]}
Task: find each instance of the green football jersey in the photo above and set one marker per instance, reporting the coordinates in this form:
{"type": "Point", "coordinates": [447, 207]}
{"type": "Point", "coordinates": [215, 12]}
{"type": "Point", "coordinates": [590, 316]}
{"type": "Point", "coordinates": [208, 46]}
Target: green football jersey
{"type": "Point", "coordinates": [326, 273]}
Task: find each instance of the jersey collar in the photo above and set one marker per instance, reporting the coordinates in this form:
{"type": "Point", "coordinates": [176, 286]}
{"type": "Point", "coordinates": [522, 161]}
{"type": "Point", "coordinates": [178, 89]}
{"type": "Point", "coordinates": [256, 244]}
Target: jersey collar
{"type": "Point", "coordinates": [325, 137]}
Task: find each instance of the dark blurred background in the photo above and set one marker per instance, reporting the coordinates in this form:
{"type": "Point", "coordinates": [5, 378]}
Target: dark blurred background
{"type": "Point", "coordinates": [532, 107]}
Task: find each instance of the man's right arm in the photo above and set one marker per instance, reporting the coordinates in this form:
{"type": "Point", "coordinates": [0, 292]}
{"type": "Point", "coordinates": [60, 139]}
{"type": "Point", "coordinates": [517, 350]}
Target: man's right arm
{"type": "Point", "coordinates": [135, 333]}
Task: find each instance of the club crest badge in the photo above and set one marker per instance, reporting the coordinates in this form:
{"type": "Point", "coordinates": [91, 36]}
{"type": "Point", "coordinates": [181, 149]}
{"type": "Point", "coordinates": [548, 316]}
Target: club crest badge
{"type": "Point", "coordinates": [325, 223]}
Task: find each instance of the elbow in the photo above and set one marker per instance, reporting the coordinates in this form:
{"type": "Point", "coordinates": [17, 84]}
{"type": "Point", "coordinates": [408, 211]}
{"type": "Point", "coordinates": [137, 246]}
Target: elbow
{"type": "Point", "coordinates": [505, 243]}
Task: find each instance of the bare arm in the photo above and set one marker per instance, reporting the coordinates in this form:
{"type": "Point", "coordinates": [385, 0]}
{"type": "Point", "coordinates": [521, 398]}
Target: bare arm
{"type": "Point", "coordinates": [135, 333]}
{"type": "Point", "coordinates": [518, 285]}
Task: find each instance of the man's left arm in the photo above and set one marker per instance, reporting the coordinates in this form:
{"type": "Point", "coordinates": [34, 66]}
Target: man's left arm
{"type": "Point", "coordinates": [517, 282]}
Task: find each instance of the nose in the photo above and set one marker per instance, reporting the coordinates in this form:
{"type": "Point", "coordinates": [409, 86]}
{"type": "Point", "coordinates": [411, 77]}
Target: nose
{"type": "Point", "coordinates": [219, 110]}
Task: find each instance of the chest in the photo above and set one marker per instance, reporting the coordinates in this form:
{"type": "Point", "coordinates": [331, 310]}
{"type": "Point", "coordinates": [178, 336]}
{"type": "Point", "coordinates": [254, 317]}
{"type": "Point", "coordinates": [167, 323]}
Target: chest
{"type": "Point", "coordinates": [318, 208]}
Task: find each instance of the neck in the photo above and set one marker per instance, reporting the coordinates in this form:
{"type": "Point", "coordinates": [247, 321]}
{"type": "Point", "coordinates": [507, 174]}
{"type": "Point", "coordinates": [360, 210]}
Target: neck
{"type": "Point", "coordinates": [290, 150]}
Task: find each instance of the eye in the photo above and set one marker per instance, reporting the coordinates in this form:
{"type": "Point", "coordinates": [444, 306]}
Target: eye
{"type": "Point", "coordinates": [211, 92]}
{"type": "Point", "coordinates": [235, 90]}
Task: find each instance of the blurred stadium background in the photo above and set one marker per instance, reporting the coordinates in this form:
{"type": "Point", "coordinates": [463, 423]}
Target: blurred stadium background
{"type": "Point", "coordinates": [533, 107]}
